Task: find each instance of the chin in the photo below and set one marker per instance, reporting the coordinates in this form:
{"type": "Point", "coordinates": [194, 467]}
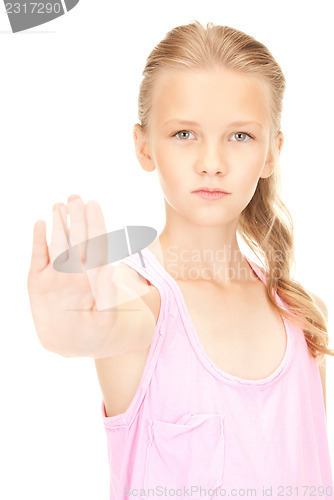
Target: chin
{"type": "Point", "coordinates": [208, 220]}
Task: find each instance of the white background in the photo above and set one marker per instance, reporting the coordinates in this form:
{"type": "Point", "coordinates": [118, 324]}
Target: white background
{"type": "Point", "coordinates": [68, 103]}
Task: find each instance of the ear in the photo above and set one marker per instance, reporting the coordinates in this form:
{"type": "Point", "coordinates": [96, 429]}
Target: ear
{"type": "Point", "coordinates": [273, 156]}
{"type": "Point", "coordinates": [142, 148]}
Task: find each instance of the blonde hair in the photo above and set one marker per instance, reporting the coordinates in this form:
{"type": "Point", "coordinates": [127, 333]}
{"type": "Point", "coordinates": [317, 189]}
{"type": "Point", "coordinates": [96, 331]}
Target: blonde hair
{"type": "Point", "coordinates": [265, 224]}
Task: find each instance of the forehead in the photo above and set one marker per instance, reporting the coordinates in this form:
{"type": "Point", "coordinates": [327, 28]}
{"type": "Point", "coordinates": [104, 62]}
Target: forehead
{"type": "Point", "coordinates": [208, 95]}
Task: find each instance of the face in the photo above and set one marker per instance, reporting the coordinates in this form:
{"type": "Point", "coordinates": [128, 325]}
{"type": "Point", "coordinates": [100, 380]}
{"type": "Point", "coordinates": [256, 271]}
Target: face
{"type": "Point", "coordinates": [207, 129]}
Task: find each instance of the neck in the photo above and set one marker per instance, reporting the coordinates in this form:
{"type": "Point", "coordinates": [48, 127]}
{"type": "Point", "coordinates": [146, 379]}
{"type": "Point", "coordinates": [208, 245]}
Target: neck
{"type": "Point", "coordinates": [205, 254]}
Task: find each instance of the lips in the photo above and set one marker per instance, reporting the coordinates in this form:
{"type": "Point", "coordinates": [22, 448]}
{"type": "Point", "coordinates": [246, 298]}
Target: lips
{"type": "Point", "coordinates": [211, 190]}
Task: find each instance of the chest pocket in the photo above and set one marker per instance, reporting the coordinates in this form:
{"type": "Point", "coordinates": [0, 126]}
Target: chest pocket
{"type": "Point", "coordinates": [186, 455]}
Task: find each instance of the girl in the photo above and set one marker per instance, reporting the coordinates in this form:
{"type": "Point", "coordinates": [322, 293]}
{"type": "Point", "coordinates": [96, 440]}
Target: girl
{"type": "Point", "coordinates": [212, 379]}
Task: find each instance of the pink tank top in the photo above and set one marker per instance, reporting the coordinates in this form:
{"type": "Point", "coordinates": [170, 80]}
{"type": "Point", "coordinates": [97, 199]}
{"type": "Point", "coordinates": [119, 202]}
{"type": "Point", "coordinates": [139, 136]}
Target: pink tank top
{"type": "Point", "coordinates": [194, 431]}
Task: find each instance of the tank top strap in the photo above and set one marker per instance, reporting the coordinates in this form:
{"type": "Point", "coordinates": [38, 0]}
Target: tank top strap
{"type": "Point", "coordinates": [289, 327]}
{"type": "Point", "coordinates": [143, 263]}
{"type": "Point", "coordinates": [260, 272]}
{"type": "Point", "coordinates": [257, 269]}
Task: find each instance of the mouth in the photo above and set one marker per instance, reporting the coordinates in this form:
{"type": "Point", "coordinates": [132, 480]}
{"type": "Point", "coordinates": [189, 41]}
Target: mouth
{"type": "Point", "coordinates": [210, 190]}
{"type": "Point", "coordinates": [211, 195]}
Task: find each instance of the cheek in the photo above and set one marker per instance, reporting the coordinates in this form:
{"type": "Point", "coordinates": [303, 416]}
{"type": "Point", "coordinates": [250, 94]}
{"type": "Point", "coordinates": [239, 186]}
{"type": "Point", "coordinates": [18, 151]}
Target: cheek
{"type": "Point", "coordinates": [173, 182]}
{"type": "Point", "coordinates": [171, 169]}
{"type": "Point", "coordinates": [245, 181]}
{"type": "Point", "coordinates": [170, 176]}
{"type": "Point", "coordinates": [250, 167]}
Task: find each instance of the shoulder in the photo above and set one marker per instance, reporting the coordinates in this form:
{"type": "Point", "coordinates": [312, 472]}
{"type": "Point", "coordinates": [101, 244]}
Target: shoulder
{"type": "Point", "coordinates": [137, 285]}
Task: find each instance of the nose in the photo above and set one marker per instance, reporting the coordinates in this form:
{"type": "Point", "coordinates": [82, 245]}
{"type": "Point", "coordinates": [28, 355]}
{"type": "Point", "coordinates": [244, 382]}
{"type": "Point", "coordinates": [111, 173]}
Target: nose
{"type": "Point", "coordinates": [211, 160]}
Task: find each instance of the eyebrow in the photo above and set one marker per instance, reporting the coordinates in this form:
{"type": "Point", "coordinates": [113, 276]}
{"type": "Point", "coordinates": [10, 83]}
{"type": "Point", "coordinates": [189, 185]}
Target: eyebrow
{"type": "Point", "coordinates": [233, 124]}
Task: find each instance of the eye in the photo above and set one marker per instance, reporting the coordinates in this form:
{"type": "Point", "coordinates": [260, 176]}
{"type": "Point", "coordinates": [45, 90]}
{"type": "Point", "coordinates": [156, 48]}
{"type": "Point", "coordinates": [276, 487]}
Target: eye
{"type": "Point", "coordinates": [182, 132]}
{"type": "Point", "coordinates": [242, 134]}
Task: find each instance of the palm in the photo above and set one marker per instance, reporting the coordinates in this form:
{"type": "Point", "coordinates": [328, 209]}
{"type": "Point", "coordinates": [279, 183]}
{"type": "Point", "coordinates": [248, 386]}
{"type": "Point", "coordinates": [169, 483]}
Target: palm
{"type": "Point", "coordinates": [67, 307]}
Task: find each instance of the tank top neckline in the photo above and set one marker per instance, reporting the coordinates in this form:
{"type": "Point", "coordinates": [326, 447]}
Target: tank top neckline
{"type": "Point", "coordinates": [194, 338]}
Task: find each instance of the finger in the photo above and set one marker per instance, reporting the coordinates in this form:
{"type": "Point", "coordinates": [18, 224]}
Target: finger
{"type": "Point", "coordinates": [40, 254]}
{"type": "Point", "coordinates": [99, 272]}
{"type": "Point", "coordinates": [78, 225]}
{"type": "Point", "coordinates": [97, 244]}
{"type": "Point", "coordinates": [60, 241]}
{"type": "Point", "coordinates": [95, 219]}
